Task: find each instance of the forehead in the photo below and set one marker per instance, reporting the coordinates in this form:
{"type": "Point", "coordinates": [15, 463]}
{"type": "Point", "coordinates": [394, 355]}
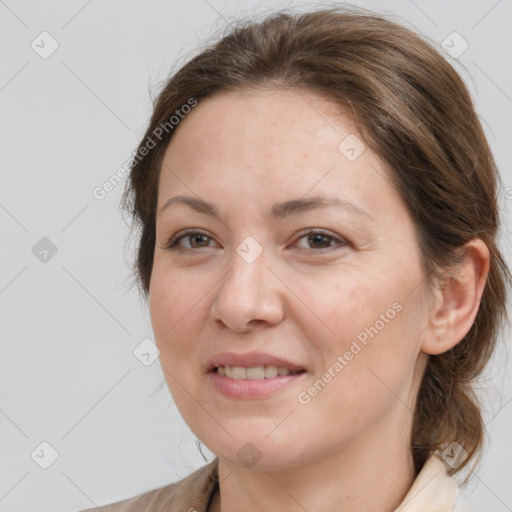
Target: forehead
{"type": "Point", "coordinates": [267, 146]}
{"type": "Point", "coordinates": [268, 132]}
{"type": "Point", "coordinates": [236, 121]}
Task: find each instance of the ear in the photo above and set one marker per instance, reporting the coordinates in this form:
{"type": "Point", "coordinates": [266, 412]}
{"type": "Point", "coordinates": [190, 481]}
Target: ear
{"type": "Point", "coordinates": [457, 299]}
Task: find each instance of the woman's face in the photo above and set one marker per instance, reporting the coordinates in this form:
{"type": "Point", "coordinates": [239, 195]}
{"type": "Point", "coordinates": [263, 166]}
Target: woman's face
{"type": "Point", "coordinates": [346, 305]}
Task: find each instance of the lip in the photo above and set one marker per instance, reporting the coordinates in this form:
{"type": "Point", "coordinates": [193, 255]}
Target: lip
{"type": "Point", "coordinates": [248, 388]}
{"type": "Point", "coordinates": [250, 359]}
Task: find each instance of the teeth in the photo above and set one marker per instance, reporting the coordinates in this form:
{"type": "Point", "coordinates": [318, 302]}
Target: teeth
{"type": "Point", "coordinates": [253, 373]}
{"type": "Point", "coordinates": [238, 373]}
{"type": "Point", "coordinates": [271, 372]}
{"type": "Point", "coordinates": [258, 372]}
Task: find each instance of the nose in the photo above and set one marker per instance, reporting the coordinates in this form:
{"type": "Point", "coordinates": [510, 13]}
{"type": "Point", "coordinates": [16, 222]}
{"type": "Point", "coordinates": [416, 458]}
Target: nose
{"type": "Point", "coordinates": [248, 296]}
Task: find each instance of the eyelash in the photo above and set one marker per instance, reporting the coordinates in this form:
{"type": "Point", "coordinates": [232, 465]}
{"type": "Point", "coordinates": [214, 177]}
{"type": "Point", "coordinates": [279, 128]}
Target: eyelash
{"type": "Point", "coordinates": [172, 244]}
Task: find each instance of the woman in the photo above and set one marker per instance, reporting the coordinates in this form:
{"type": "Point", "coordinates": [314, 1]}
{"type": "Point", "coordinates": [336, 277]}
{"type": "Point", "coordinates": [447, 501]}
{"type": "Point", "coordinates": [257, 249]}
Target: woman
{"type": "Point", "coordinates": [317, 203]}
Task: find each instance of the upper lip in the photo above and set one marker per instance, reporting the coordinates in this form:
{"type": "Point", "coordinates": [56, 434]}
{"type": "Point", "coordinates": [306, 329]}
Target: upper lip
{"type": "Point", "coordinates": [250, 359]}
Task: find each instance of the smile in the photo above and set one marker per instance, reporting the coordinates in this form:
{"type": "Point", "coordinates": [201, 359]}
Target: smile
{"type": "Point", "coordinates": [254, 372]}
{"type": "Point", "coordinates": [254, 382]}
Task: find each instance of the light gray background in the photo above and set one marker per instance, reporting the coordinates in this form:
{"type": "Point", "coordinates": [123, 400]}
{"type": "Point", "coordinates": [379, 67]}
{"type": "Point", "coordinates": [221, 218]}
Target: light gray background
{"type": "Point", "coordinates": [69, 326]}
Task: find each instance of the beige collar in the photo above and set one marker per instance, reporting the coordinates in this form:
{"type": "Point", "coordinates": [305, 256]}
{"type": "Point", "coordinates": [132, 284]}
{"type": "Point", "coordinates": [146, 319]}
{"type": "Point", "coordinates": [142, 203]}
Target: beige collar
{"type": "Point", "coordinates": [432, 490]}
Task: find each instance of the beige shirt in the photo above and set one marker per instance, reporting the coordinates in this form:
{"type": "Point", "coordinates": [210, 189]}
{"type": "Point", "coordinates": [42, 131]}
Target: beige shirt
{"type": "Point", "coordinates": [432, 491]}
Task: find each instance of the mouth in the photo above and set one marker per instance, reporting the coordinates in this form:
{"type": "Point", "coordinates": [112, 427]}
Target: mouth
{"type": "Point", "coordinates": [254, 382]}
{"type": "Point", "coordinates": [253, 375]}
{"type": "Point", "coordinates": [254, 372]}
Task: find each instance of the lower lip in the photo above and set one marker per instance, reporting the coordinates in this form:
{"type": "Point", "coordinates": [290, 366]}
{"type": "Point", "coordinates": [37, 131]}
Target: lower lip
{"type": "Point", "coordinates": [247, 388]}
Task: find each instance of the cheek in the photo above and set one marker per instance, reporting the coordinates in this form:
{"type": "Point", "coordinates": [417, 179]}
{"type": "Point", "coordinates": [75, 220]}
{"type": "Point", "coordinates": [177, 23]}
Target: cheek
{"type": "Point", "coordinates": [174, 307]}
{"type": "Point", "coordinates": [373, 323]}
{"type": "Point", "coordinates": [339, 305]}
{"type": "Point", "coordinates": [174, 304]}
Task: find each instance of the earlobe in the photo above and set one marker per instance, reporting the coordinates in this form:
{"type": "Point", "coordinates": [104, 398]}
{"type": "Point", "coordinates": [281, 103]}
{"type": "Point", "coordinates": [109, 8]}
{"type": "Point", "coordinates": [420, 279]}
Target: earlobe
{"type": "Point", "coordinates": [457, 299]}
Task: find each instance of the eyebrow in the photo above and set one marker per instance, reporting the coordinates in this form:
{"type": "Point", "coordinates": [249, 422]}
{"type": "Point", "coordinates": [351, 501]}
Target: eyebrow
{"type": "Point", "coordinates": [286, 208]}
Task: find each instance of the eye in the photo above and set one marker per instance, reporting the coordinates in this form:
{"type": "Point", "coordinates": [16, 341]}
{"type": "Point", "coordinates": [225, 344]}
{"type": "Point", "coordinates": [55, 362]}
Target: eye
{"type": "Point", "coordinates": [196, 239]}
{"type": "Point", "coordinates": [321, 240]}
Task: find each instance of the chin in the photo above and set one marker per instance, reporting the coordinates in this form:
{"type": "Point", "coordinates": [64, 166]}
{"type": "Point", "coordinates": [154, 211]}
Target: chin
{"type": "Point", "coordinates": [257, 452]}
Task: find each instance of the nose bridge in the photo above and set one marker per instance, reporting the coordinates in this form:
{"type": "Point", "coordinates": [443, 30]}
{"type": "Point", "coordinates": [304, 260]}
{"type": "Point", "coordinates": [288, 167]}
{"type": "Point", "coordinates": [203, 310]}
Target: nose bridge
{"type": "Point", "coordinates": [248, 291]}
{"type": "Point", "coordinates": [245, 277]}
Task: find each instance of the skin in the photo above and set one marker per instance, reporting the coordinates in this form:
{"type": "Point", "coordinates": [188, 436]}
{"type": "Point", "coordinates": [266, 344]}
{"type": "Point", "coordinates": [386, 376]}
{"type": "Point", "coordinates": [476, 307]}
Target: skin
{"type": "Point", "coordinates": [303, 299]}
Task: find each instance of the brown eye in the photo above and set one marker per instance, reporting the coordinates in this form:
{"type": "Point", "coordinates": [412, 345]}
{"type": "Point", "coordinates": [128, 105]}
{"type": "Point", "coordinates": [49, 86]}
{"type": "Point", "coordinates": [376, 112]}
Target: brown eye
{"type": "Point", "coordinates": [321, 240]}
{"type": "Point", "coordinates": [196, 240]}
{"type": "Point", "coordinates": [318, 240]}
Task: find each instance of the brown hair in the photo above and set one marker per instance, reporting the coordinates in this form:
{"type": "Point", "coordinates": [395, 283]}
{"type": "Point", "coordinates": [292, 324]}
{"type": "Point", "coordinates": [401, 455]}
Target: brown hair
{"type": "Point", "coordinates": [415, 112]}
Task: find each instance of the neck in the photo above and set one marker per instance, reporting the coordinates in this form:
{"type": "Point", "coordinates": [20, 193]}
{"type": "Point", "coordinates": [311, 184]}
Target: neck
{"type": "Point", "coordinates": [361, 476]}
